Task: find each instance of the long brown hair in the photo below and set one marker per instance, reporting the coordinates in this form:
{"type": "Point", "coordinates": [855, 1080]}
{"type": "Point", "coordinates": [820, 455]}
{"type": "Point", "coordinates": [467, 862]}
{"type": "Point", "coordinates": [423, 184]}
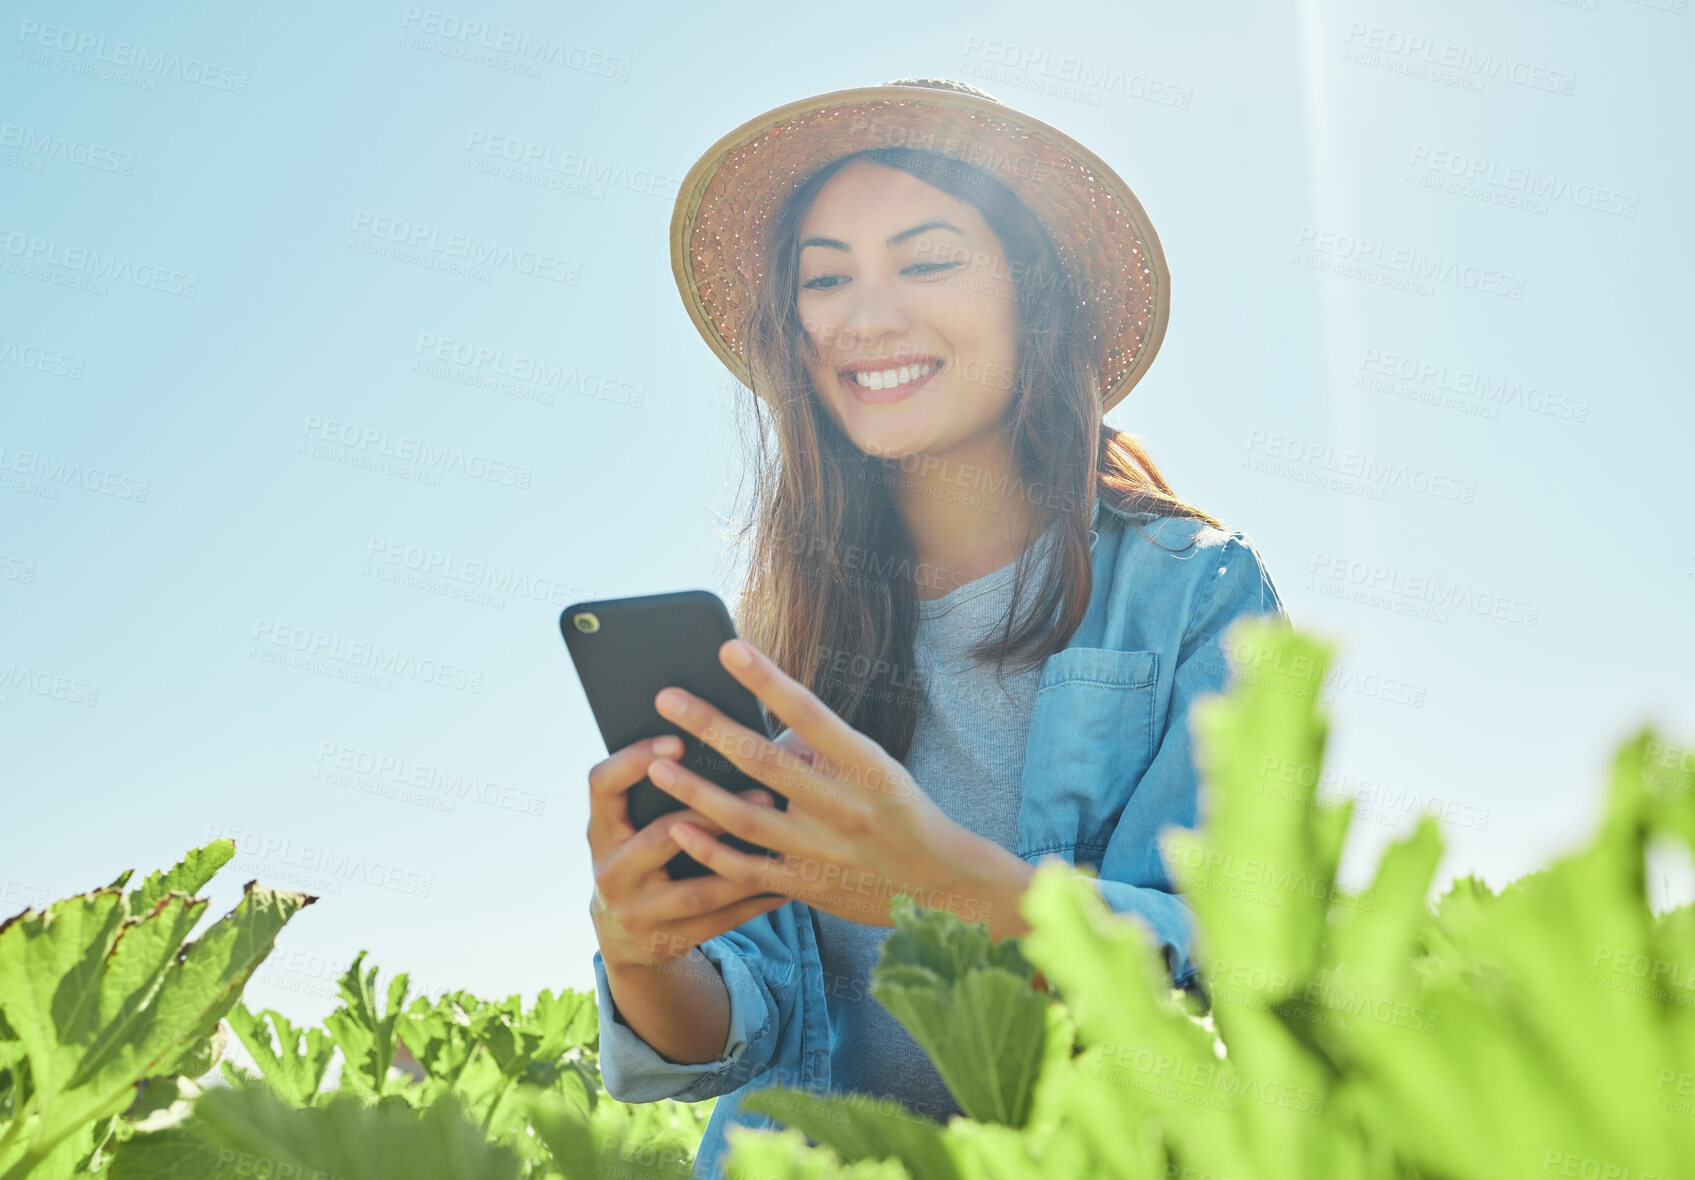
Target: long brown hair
{"type": "Point", "coordinates": [830, 592]}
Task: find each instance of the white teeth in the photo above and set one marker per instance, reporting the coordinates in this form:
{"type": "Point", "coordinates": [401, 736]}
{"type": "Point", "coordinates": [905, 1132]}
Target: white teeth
{"type": "Point", "coordinates": [888, 378]}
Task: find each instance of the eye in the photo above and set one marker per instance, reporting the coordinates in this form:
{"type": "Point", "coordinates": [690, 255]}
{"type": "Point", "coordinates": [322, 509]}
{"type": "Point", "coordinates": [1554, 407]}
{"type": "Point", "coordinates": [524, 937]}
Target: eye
{"type": "Point", "coordinates": [831, 282]}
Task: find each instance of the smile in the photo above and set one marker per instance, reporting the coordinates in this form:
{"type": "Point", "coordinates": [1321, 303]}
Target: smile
{"type": "Point", "coordinates": [881, 385]}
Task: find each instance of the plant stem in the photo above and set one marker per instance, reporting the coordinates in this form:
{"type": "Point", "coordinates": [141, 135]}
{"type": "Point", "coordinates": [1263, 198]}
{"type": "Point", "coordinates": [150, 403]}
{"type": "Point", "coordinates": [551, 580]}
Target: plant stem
{"type": "Point", "coordinates": [494, 1103]}
{"type": "Point", "coordinates": [23, 1116]}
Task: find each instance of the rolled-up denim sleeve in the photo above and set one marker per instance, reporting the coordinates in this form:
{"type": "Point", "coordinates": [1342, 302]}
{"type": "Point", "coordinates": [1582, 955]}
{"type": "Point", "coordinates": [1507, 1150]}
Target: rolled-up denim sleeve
{"type": "Point", "coordinates": [633, 1071]}
{"type": "Point", "coordinates": [1133, 877]}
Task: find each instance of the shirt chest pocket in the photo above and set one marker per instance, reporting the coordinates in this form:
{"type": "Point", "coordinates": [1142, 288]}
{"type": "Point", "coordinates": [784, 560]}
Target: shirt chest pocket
{"type": "Point", "coordinates": [1092, 736]}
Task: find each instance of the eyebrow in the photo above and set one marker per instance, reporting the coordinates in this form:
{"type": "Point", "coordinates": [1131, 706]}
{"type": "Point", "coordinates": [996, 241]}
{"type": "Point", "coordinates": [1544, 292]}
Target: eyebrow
{"type": "Point", "coordinates": [896, 240]}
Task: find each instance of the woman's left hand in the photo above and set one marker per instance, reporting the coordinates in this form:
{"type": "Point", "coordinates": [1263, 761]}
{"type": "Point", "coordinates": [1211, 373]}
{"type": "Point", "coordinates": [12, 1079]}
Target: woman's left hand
{"type": "Point", "coordinates": [857, 830]}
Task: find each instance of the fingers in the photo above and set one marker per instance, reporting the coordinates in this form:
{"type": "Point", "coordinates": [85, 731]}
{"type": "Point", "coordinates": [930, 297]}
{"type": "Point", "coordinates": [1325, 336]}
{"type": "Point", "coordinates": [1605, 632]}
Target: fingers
{"type": "Point", "coordinates": [766, 826]}
{"type": "Point", "coordinates": [796, 704]}
{"type": "Point", "coordinates": [694, 931]}
{"type": "Point", "coordinates": [797, 745]}
{"type": "Point", "coordinates": [813, 779]}
{"type": "Point", "coordinates": [653, 846]}
{"type": "Point", "coordinates": [611, 778]}
{"type": "Point", "coordinates": [752, 871]}
{"type": "Point", "coordinates": [755, 755]}
{"type": "Point", "coordinates": [634, 894]}
{"type": "Point", "coordinates": [640, 910]}
{"type": "Point", "coordinates": [630, 865]}
{"type": "Point", "coordinates": [685, 900]}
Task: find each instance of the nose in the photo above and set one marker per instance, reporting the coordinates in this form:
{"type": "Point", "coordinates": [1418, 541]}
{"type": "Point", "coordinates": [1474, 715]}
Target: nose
{"type": "Point", "coordinates": [875, 311]}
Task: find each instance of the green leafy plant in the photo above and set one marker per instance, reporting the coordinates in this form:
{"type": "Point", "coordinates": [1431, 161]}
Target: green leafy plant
{"type": "Point", "coordinates": [294, 1068]}
{"type": "Point", "coordinates": [969, 1001]}
{"type": "Point", "coordinates": [1546, 1030]}
{"type": "Point", "coordinates": [1350, 1034]}
{"type": "Point", "coordinates": [250, 1132]}
{"type": "Point", "coordinates": [101, 992]}
{"type": "Point", "coordinates": [521, 1078]}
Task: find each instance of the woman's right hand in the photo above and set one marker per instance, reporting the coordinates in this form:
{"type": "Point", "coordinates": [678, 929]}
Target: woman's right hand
{"type": "Point", "coordinates": [641, 916]}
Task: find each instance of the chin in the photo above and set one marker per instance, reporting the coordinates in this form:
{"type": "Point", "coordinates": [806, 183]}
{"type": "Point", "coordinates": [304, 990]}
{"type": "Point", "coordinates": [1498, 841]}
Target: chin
{"type": "Point", "coordinates": [884, 442]}
{"type": "Point", "coordinates": [887, 448]}
{"type": "Point", "coordinates": [884, 439]}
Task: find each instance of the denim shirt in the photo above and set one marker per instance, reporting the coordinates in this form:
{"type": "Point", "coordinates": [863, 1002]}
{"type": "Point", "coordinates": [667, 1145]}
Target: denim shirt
{"type": "Point", "coordinates": [1108, 764]}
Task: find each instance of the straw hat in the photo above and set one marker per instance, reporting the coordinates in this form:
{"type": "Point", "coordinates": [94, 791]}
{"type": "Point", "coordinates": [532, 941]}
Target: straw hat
{"type": "Point", "coordinates": [728, 198]}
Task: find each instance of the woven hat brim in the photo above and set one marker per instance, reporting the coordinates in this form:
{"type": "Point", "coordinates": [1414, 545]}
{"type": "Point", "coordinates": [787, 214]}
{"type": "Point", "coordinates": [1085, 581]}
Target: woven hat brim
{"type": "Point", "coordinates": [1103, 235]}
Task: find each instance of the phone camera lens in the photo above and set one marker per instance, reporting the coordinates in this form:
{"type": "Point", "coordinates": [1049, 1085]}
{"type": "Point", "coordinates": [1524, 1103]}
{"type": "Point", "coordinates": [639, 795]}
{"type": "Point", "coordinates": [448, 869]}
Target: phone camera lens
{"type": "Point", "coordinates": [586, 621]}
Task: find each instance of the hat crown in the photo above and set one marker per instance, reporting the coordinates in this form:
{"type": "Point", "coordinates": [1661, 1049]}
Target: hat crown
{"type": "Point", "coordinates": [945, 84]}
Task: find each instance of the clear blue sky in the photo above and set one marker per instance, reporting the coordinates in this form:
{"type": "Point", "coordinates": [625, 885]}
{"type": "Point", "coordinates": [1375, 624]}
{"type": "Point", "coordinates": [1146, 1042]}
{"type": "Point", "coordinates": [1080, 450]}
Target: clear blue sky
{"type": "Point", "coordinates": [1511, 348]}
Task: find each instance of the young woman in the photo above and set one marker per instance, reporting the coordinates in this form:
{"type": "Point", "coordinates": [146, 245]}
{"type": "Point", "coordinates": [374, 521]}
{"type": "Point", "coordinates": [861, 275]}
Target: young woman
{"type": "Point", "coordinates": [979, 615]}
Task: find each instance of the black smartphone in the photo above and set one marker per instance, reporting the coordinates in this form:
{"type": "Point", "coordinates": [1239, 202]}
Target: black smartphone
{"type": "Point", "coordinates": [625, 651]}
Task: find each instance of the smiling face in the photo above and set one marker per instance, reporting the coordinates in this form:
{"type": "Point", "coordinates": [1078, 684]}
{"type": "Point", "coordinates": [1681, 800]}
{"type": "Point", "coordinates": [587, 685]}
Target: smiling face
{"type": "Point", "coordinates": [905, 294]}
